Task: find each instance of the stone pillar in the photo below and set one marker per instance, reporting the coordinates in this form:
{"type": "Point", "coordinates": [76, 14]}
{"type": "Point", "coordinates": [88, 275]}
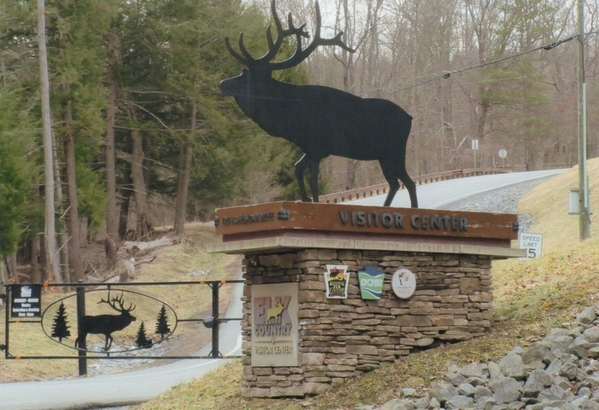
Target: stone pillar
{"type": "Point", "coordinates": [342, 338]}
{"type": "Point", "coordinates": [298, 342]}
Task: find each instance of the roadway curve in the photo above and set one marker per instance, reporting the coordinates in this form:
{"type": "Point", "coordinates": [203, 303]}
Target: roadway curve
{"type": "Point", "coordinates": [142, 385]}
{"type": "Point", "coordinates": [439, 195]}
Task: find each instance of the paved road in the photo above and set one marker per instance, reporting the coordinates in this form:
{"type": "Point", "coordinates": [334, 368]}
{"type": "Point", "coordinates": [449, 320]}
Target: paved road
{"type": "Point", "coordinates": [143, 385]}
{"type": "Point", "coordinates": [123, 388]}
{"type": "Point", "coordinates": [440, 194]}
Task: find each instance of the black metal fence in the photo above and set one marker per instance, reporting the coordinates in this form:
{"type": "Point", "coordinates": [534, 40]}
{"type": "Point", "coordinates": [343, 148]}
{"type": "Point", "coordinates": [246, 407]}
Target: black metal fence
{"type": "Point", "coordinates": [25, 307]}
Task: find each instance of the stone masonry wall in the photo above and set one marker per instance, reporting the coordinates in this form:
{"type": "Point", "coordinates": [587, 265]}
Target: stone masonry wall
{"type": "Point", "coordinates": [342, 338]}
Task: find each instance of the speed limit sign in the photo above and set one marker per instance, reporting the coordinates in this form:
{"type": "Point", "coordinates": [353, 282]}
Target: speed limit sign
{"type": "Point", "coordinates": [532, 242]}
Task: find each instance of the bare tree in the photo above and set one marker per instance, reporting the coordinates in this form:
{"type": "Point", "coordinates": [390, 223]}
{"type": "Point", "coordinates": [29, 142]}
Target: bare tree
{"type": "Point", "coordinates": [142, 210]}
{"type": "Point", "coordinates": [112, 220]}
{"type": "Point", "coordinates": [73, 228]}
{"type": "Point", "coordinates": [53, 264]}
{"type": "Point", "coordinates": [184, 176]}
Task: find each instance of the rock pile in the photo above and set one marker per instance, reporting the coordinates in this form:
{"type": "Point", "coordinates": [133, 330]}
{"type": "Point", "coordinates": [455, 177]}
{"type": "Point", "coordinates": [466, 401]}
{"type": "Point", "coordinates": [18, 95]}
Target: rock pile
{"type": "Point", "coordinates": [560, 372]}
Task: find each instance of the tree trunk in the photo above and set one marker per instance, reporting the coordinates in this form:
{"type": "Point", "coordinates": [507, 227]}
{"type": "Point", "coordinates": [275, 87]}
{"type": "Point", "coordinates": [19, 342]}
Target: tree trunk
{"type": "Point", "coordinates": [143, 224]}
{"type": "Point", "coordinates": [183, 178]}
{"type": "Point", "coordinates": [53, 264]}
{"type": "Point", "coordinates": [43, 259]}
{"type": "Point", "coordinates": [36, 272]}
{"type": "Point", "coordinates": [112, 222]}
{"type": "Point", "coordinates": [124, 214]}
{"type": "Point", "coordinates": [126, 191]}
{"type": "Point", "coordinates": [11, 267]}
{"type": "Point", "coordinates": [3, 273]}
{"type": "Point", "coordinates": [352, 166]}
{"type": "Point", "coordinates": [348, 85]}
{"type": "Point", "coordinates": [63, 240]}
{"type": "Point", "coordinates": [72, 217]}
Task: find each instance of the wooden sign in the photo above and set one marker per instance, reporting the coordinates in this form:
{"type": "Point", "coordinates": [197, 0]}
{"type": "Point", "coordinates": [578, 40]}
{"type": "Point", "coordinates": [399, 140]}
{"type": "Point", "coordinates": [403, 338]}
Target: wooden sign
{"type": "Point", "coordinates": [286, 218]}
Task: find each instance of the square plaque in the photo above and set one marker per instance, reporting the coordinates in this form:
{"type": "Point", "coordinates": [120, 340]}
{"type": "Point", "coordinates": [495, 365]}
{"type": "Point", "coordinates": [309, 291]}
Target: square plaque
{"type": "Point", "coordinates": [275, 325]}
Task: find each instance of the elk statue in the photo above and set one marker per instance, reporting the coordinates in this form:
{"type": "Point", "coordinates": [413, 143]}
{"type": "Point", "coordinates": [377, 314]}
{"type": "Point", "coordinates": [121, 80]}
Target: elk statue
{"type": "Point", "coordinates": [105, 324]}
{"type": "Point", "coordinates": [320, 120]}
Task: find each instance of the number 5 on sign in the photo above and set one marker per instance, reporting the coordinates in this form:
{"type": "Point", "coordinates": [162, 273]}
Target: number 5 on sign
{"type": "Point", "coordinates": [533, 243]}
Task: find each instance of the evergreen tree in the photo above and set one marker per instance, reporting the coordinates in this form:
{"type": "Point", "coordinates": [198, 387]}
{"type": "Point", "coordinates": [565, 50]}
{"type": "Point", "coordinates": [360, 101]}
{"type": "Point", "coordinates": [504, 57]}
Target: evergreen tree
{"type": "Point", "coordinates": [16, 184]}
{"type": "Point", "coordinates": [162, 327]}
{"type": "Point", "coordinates": [60, 328]}
{"type": "Point", "coordinates": [142, 340]}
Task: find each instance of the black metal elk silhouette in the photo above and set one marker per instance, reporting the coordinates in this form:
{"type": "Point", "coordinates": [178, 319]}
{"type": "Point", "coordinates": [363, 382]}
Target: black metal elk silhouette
{"type": "Point", "coordinates": [320, 120]}
{"type": "Point", "coordinates": [106, 324]}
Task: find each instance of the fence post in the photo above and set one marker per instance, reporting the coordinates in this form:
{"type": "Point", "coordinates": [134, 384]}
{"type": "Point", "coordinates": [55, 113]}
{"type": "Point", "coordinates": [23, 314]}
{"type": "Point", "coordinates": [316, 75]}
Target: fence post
{"type": "Point", "coordinates": [81, 345]}
{"type": "Point", "coordinates": [7, 300]}
{"type": "Point", "coordinates": [215, 313]}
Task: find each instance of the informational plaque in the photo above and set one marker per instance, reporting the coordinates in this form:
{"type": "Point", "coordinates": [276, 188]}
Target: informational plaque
{"type": "Point", "coordinates": [336, 280]}
{"type": "Point", "coordinates": [403, 283]}
{"type": "Point", "coordinates": [26, 301]}
{"type": "Point", "coordinates": [275, 325]}
{"type": "Point", "coordinates": [371, 282]}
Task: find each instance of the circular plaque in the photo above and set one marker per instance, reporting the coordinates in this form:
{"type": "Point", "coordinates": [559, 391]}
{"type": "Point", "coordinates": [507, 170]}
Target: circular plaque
{"type": "Point", "coordinates": [403, 283]}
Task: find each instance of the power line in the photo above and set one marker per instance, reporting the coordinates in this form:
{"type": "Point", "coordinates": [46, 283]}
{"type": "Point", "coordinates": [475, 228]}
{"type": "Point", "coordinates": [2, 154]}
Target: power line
{"type": "Point", "coordinates": [448, 74]}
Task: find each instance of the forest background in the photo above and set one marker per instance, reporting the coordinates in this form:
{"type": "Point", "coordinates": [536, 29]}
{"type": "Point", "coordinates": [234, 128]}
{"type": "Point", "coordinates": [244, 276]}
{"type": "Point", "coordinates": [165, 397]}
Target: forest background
{"type": "Point", "coordinates": [112, 123]}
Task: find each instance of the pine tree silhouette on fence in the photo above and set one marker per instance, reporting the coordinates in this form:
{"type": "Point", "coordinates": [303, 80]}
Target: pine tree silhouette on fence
{"type": "Point", "coordinates": [60, 328]}
{"type": "Point", "coordinates": [162, 327]}
{"type": "Point", "coordinates": [142, 340]}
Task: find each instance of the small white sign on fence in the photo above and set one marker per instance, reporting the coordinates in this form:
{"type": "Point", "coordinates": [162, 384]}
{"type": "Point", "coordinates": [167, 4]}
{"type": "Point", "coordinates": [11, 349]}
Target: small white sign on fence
{"type": "Point", "coordinates": [533, 243]}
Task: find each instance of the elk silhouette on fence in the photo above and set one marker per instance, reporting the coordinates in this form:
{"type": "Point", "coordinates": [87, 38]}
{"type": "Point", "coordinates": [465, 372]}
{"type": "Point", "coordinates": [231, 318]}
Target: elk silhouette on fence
{"type": "Point", "coordinates": [105, 324]}
{"type": "Point", "coordinates": [320, 120]}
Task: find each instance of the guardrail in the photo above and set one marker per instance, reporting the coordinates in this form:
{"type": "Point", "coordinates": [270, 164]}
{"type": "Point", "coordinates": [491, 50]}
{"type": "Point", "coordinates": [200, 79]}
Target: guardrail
{"type": "Point", "coordinates": [383, 188]}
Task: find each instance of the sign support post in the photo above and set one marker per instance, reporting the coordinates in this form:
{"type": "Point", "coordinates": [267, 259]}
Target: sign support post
{"type": "Point", "coordinates": [82, 353]}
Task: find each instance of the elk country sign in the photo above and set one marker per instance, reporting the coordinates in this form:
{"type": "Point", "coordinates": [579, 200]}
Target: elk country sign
{"type": "Point", "coordinates": [320, 120]}
{"type": "Point", "coordinates": [295, 218]}
{"type": "Point", "coordinates": [275, 325]}
{"type": "Point", "coordinates": [336, 280]}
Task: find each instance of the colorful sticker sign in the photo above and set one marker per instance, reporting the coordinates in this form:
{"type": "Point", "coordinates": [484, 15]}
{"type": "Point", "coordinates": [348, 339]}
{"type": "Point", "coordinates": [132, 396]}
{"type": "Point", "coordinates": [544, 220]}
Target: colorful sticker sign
{"type": "Point", "coordinates": [336, 279]}
{"type": "Point", "coordinates": [371, 282]}
{"type": "Point", "coordinates": [403, 283]}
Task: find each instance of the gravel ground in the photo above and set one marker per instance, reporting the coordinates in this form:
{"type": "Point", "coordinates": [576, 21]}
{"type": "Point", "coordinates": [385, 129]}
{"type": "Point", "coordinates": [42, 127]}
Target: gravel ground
{"type": "Point", "coordinates": [501, 201]}
{"type": "Point", "coordinates": [105, 366]}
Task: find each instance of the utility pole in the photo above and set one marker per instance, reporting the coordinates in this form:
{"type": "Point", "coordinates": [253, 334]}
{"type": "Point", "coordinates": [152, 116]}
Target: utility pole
{"type": "Point", "coordinates": [583, 188]}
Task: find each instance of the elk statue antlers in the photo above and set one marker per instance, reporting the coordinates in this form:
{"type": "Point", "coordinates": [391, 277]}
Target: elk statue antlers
{"type": "Point", "coordinates": [320, 120]}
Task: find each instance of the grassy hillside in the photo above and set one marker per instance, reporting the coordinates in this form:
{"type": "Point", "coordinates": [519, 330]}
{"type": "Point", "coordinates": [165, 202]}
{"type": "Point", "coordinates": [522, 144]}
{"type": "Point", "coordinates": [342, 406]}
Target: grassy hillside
{"type": "Point", "coordinates": [548, 205]}
{"type": "Point", "coordinates": [531, 297]}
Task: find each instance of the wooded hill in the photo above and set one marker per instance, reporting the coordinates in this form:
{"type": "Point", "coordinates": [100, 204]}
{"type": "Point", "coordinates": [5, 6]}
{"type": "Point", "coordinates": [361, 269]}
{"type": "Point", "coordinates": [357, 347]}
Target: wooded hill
{"type": "Point", "coordinates": [114, 107]}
